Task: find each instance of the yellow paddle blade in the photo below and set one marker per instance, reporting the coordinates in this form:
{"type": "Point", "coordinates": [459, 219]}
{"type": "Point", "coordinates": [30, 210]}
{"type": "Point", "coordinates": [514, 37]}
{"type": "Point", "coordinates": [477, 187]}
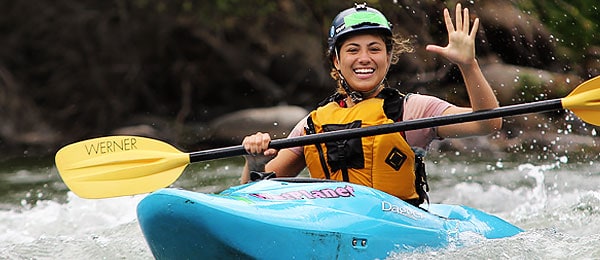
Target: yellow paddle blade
{"type": "Point", "coordinates": [584, 101]}
{"type": "Point", "coordinates": [119, 165]}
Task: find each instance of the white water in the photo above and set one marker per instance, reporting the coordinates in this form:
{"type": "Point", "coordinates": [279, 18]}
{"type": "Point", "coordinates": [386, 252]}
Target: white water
{"type": "Point", "coordinates": [78, 229]}
{"type": "Point", "coordinates": [557, 204]}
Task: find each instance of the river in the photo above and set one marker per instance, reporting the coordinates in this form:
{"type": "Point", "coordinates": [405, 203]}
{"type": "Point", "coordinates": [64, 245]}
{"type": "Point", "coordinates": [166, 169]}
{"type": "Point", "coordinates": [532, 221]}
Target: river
{"type": "Point", "coordinates": [557, 202]}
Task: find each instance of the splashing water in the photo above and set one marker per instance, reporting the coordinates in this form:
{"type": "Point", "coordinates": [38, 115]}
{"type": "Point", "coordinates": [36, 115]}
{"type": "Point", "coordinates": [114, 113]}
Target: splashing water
{"type": "Point", "coordinates": [76, 230]}
{"type": "Point", "coordinates": [557, 204]}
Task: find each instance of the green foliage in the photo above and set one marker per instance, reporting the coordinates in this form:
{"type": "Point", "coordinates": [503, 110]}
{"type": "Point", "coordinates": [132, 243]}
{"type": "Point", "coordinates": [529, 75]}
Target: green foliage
{"type": "Point", "coordinates": [575, 24]}
{"type": "Point", "coordinates": [530, 89]}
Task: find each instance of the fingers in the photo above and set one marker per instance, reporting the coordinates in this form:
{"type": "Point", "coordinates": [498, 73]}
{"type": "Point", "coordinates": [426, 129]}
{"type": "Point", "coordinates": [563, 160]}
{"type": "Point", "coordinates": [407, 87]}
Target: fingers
{"type": "Point", "coordinates": [448, 20]}
{"type": "Point", "coordinates": [257, 143]}
{"type": "Point", "coordinates": [435, 49]}
{"type": "Point", "coordinates": [463, 22]}
{"type": "Point", "coordinates": [466, 19]}
{"type": "Point", "coordinates": [459, 21]}
{"type": "Point", "coordinates": [474, 29]}
{"type": "Point", "coordinates": [461, 38]}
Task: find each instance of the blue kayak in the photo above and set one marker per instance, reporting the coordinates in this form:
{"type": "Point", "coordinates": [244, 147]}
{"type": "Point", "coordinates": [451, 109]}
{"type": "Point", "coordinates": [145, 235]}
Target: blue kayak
{"type": "Point", "coordinates": [302, 219]}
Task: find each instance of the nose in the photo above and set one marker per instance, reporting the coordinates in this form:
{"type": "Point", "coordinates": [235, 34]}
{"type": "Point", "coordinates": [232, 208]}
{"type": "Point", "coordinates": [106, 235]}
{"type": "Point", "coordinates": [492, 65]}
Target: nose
{"type": "Point", "coordinates": [364, 57]}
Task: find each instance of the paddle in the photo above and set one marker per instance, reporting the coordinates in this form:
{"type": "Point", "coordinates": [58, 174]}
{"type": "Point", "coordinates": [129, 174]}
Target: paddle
{"type": "Point", "coordinates": [126, 165]}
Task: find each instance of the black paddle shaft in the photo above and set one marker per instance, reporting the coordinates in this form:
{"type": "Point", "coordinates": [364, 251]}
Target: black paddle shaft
{"type": "Point", "coordinates": [237, 150]}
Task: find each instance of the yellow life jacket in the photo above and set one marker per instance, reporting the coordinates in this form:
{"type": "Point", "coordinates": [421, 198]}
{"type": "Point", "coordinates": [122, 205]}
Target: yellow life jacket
{"type": "Point", "coordinates": [384, 162]}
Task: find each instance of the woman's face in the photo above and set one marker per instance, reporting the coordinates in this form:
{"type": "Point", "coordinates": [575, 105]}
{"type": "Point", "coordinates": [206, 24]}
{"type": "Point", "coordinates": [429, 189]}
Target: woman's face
{"type": "Point", "coordinates": [363, 61]}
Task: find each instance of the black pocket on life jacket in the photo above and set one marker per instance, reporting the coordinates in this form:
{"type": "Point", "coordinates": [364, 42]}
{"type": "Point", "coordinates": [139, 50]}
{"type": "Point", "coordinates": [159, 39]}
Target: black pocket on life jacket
{"type": "Point", "coordinates": [345, 154]}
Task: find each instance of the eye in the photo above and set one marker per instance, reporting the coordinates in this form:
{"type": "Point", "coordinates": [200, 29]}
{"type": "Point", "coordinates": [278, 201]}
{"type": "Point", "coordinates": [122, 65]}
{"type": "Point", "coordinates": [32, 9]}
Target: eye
{"type": "Point", "coordinates": [375, 48]}
{"type": "Point", "coordinates": [352, 50]}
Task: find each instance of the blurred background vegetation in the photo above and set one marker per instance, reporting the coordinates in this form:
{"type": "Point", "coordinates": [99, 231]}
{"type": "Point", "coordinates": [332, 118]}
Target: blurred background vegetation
{"type": "Point", "coordinates": [71, 70]}
{"type": "Point", "coordinates": [574, 25]}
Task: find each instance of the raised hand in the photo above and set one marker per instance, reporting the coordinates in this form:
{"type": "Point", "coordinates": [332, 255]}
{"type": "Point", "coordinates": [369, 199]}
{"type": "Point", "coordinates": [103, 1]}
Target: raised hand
{"type": "Point", "coordinates": [461, 42]}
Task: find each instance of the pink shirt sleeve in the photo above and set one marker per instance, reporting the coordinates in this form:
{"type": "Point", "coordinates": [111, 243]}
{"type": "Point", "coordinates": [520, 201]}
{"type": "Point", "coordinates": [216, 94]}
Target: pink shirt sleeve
{"type": "Point", "coordinates": [418, 106]}
{"type": "Point", "coordinates": [298, 131]}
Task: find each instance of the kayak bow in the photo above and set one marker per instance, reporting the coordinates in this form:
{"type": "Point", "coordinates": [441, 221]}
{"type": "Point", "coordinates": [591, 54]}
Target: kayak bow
{"type": "Point", "coordinates": [286, 219]}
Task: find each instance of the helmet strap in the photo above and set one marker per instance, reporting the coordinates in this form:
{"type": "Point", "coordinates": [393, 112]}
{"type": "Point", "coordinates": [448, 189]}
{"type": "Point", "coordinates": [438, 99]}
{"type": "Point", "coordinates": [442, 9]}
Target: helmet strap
{"type": "Point", "coordinates": [356, 96]}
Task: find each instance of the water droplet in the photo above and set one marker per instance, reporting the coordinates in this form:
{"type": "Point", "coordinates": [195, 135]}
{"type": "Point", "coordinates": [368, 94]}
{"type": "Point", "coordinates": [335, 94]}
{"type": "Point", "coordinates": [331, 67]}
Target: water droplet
{"type": "Point", "coordinates": [563, 159]}
{"type": "Point", "coordinates": [499, 164]}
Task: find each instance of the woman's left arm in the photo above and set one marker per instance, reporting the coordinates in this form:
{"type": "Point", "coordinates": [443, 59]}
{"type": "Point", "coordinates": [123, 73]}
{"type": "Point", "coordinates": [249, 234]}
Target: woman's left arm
{"type": "Point", "coordinates": [461, 51]}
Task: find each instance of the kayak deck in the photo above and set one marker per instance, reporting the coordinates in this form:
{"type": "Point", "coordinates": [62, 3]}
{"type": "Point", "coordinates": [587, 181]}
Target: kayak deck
{"type": "Point", "coordinates": [286, 219]}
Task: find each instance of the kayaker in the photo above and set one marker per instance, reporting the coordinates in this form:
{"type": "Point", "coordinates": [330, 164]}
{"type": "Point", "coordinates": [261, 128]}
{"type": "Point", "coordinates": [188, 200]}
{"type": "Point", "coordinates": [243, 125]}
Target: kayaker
{"type": "Point", "coordinates": [361, 49]}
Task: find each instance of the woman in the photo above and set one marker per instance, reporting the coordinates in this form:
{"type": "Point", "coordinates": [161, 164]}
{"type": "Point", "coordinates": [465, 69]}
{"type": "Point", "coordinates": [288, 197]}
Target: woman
{"type": "Point", "coordinates": [361, 50]}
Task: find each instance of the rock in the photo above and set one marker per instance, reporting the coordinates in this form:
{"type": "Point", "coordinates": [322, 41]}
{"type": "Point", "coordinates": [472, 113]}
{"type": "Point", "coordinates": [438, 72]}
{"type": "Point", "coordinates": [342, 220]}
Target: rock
{"type": "Point", "coordinates": [138, 130]}
{"type": "Point", "coordinates": [592, 61]}
{"type": "Point", "coordinates": [517, 84]}
{"type": "Point", "coordinates": [516, 36]}
{"type": "Point", "coordinates": [278, 121]}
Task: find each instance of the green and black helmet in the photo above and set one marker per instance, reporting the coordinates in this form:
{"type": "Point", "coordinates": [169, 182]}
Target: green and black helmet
{"type": "Point", "coordinates": [358, 18]}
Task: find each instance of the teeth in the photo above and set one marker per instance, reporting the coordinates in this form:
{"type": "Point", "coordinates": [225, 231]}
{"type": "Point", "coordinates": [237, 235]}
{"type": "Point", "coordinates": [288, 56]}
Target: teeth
{"type": "Point", "coordinates": [363, 71]}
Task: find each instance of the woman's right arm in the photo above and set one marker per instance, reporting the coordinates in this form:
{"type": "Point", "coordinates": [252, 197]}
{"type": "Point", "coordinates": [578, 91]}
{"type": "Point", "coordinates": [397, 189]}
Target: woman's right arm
{"type": "Point", "coordinates": [285, 163]}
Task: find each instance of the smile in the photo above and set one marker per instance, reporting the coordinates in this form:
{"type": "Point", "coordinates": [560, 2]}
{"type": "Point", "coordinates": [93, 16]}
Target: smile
{"type": "Point", "coordinates": [364, 71]}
